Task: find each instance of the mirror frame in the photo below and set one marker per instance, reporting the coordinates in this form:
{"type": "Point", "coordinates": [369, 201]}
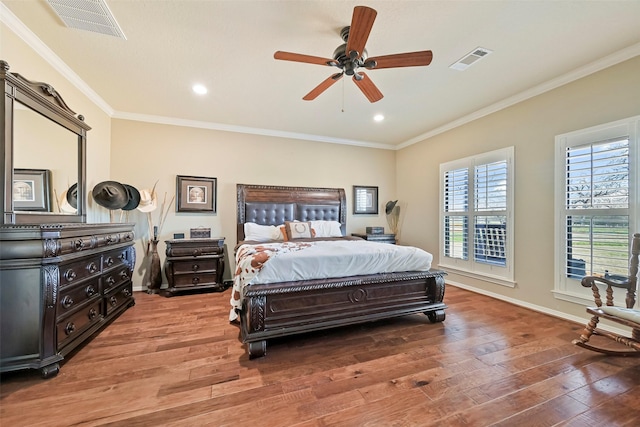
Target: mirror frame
{"type": "Point", "coordinates": [44, 100]}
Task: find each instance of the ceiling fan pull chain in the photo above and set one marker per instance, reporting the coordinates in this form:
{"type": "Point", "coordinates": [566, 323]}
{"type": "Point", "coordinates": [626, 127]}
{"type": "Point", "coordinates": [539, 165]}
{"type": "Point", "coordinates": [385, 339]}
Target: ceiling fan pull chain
{"type": "Point", "coordinates": [343, 96]}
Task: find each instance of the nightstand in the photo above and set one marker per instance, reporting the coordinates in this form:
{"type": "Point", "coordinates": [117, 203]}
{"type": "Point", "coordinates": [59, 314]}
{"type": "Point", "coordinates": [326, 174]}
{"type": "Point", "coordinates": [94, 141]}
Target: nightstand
{"type": "Point", "coordinates": [194, 265]}
{"type": "Point", "coordinates": [381, 238]}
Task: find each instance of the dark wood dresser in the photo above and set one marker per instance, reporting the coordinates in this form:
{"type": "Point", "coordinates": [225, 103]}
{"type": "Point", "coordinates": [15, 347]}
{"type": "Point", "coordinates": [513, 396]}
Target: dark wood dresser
{"type": "Point", "coordinates": [194, 265]}
{"type": "Point", "coordinates": [381, 238]}
{"type": "Point", "coordinates": [59, 285]}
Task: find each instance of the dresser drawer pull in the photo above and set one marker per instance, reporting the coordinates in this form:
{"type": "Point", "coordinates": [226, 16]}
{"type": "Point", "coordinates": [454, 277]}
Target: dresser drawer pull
{"type": "Point", "coordinates": [123, 256]}
{"type": "Point", "coordinates": [110, 280]}
{"type": "Point", "coordinates": [92, 267]}
{"type": "Point", "coordinates": [92, 314]}
{"type": "Point", "coordinates": [195, 267]}
{"type": "Point", "coordinates": [90, 291]}
{"type": "Point", "coordinates": [196, 252]}
{"type": "Point", "coordinates": [67, 301]}
{"type": "Point", "coordinates": [110, 239]}
{"type": "Point", "coordinates": [109, 261]}
{"type": "Point", "coordinates": [195, 280]}
{"type": "Point", "coordinates": [128, 236]}
{"type": "Point", "coordinates": [79, 244]}
{"type": "Point", "coordinates": [70, 275]}
{"type": "Point", "coordinates": [70, 328]}
{"type": "Point", "coordinates": [113, 301]}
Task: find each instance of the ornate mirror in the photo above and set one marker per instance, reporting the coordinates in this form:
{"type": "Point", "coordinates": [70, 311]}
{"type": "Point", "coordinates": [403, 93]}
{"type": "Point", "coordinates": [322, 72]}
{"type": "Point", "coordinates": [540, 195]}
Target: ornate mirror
{"type": "Point", "coordinates": [43, 162]}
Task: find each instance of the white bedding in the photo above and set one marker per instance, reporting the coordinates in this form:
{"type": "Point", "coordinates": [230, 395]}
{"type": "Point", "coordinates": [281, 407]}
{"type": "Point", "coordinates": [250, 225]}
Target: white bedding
{"type": "Point", "coordinates": [292, 261]}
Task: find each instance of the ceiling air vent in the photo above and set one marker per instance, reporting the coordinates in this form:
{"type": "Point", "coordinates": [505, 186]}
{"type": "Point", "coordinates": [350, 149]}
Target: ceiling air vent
{"type": "Point", "coordinates": [88, 15]}
{"type": "Point", "coordinates": [470, 58]}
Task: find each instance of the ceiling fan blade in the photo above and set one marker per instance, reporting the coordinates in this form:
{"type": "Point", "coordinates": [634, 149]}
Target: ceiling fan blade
{"type": "Point", "coordinates": [368, 88]}
{"type": "Point", "coordinates": [322, 87]}
{"type": "Point", "coordinates": [308, 59]}
{"type": "Point", "coordinates": [409, 59]}
{"type": "Point", "coordinates": [361, 23]}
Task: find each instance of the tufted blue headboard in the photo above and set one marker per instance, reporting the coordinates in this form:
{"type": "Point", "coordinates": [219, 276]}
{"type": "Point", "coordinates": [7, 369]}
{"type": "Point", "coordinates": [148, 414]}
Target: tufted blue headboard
{"type": "Point", "coordinates": [273, 205]}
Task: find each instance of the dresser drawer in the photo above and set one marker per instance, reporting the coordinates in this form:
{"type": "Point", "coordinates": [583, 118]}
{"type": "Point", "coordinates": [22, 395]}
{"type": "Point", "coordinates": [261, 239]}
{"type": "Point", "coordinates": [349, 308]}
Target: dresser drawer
{"type": "Point", "coordinates": [114, 278]}
{"type": "Point", "coordinates": [73, 325]}
{"type": "Point", "coordinates": [118, 297]}
{"type": "Point", "coordinates": [76, 271]}
{"type": "Point", "coordinates": [73, 297]}
{"type": "Point", "coordinates": [195, 265]}
{"type": "Point", "coordinates": [194, 279]}
{"type": "Point", "coordinates": [116, 258]}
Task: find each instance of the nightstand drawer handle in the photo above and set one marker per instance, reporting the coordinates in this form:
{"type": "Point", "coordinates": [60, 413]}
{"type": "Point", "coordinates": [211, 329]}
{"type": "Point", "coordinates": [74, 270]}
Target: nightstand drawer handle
{"type": "Point", "coordinates": [195, 280]}
{"type": "Point", "coordinates": [67, 301]}
{"type": "Point", "coordinates": [196, 252]}
{"type": "Point", "coordinates": [195, 267]}
{"type": "Point", "coordinates": [124, 274]}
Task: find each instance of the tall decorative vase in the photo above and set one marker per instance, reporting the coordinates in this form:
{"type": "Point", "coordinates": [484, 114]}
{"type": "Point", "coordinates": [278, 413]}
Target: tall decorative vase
{"type": "Point", "coordinates": [155, 269]}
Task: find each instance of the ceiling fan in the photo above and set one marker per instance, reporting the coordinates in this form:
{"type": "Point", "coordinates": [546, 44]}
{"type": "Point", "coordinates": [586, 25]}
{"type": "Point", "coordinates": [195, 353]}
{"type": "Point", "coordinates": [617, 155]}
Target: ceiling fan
{"type": "Point", "coordinates": [352, 55]}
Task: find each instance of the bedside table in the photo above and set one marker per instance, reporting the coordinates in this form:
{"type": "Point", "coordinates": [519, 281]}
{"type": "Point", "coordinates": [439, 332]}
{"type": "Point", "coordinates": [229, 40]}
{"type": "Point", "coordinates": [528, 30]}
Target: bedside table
{"type": "Point", "coordinates": [194, 264]}
{"type": "Point", "coordinates": [381, 238]}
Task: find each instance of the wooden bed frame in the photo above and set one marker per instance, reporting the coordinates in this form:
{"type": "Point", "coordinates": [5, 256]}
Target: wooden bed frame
{"type": "Point", "coordinates": [282, 309]}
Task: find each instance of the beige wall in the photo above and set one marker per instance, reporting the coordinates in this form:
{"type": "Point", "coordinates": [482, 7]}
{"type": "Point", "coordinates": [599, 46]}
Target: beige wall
{"type": "Point", "coordinates": [143, 153]}
{"type": "Point", "coordinates": [530, 127]}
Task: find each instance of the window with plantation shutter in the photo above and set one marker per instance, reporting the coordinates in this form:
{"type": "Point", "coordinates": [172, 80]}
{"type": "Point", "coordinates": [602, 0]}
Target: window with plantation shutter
{"type": "Point", "coordinates": [476, 221]}
{"type": "Point", "coordinates": [596, 202]}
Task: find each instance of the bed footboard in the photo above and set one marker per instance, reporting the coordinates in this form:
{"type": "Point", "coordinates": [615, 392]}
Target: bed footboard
{"type": "Point", "coordinates": [282, 309]}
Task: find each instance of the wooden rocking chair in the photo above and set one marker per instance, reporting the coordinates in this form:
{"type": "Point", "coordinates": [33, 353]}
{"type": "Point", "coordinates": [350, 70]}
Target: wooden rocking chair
{"type": "Point", "coordinates": [624, 316]}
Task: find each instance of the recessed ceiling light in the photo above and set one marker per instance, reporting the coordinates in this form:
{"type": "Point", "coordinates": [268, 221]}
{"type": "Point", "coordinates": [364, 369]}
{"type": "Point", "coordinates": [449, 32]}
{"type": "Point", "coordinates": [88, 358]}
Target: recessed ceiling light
{"type": "Point", "coordinates": [199, 89]}
{"type": "Point", "coordinates": [378, 117]}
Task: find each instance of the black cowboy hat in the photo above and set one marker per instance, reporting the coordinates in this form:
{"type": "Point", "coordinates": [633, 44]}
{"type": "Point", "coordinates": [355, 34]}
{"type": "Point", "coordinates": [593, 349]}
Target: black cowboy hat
{"type": "Point", "coordinates": [134, 198]}
{"type": "Point", "coordinates": [110, 194]}
{"type": "Point", "coordinates": [72, 195]}
{"type": "Point", "coordinates": [390, 205]}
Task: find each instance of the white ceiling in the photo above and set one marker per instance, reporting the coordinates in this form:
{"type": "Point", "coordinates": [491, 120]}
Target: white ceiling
{"type": "Point", "coordinates": [229, 45]}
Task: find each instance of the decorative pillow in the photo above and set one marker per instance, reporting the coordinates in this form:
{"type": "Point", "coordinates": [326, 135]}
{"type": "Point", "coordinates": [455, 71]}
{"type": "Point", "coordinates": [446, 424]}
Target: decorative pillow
{"type": "Point", "coordinates": [298, 230]}
{"type": "Point", "coordinates": [326, 228]}
{"type": "Point", "coordinates": [261, 233]}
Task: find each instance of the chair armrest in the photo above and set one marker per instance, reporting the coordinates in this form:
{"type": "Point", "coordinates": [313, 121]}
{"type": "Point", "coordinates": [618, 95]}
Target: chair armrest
{"type": "Point", "coordinates": [588, 282]}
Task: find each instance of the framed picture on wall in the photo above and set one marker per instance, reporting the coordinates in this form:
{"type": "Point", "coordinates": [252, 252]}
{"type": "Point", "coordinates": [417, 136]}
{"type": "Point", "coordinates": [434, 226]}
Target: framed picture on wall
{"type": "Point", "coordinates": [196, 194]}
{"type": "Point", "coordinates": [365, 200]}
{"type": "Point", "coordinates": [32, 190]}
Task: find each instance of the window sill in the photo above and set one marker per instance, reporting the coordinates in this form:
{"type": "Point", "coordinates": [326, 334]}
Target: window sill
{"type": "Point", "coordinates": [480, 276]}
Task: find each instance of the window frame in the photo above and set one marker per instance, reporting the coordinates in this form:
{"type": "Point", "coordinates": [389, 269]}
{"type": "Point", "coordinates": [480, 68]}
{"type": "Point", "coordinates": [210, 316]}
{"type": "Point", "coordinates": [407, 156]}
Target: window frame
{"type": "Point", "coordinates": [498, 274]}
{"type": "Point", "coordinates": [567, 288]}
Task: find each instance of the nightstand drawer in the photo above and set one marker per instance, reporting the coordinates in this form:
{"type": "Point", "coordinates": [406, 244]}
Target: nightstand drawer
{"type": "Point", "coordinates": [190, 280]}
{"type": "Point", "coordinates": [197, 265]}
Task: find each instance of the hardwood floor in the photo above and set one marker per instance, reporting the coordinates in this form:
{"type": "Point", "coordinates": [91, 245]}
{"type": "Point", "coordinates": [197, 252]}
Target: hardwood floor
{"type": "Point", "coordinates": [177, 361]}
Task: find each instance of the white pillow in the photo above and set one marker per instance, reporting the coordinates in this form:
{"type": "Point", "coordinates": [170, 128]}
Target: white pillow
{"type": "Point", "coordinates": [261, 233]}
{"type": "Point", "coordinates": [326, 228]}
